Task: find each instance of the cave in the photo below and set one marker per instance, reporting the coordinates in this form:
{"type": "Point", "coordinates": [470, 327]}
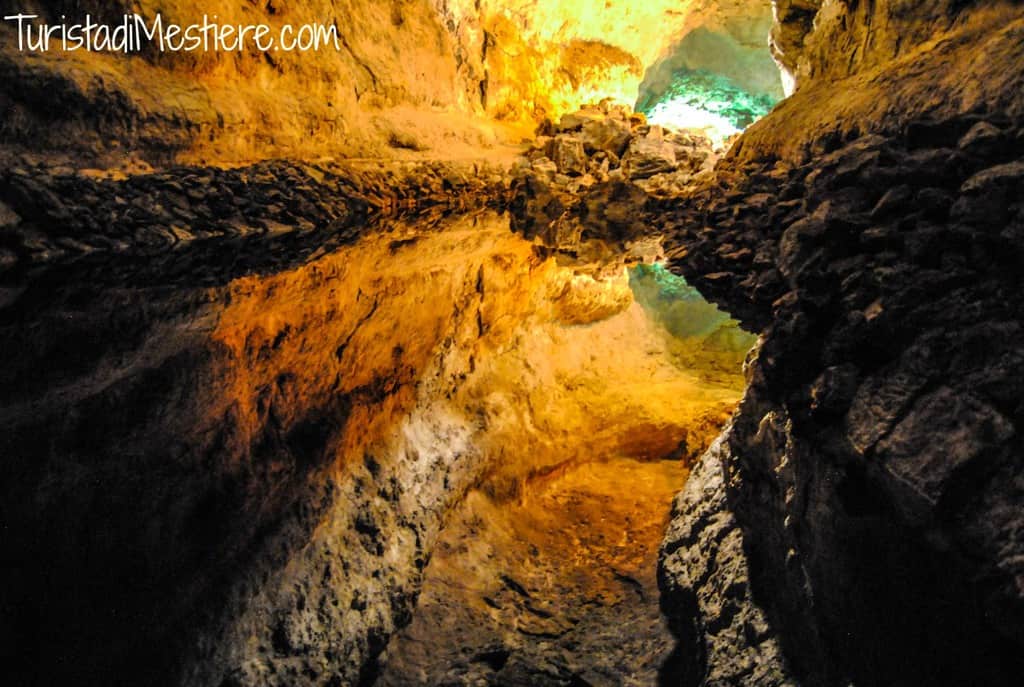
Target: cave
{"type": "Point", "coordinates": [542, 342]}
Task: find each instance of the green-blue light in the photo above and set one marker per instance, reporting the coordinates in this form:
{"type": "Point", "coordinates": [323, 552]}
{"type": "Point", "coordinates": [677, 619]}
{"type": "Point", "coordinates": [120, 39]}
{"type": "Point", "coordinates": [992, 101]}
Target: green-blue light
{"type": "Point", "coordinates": [712, 93]}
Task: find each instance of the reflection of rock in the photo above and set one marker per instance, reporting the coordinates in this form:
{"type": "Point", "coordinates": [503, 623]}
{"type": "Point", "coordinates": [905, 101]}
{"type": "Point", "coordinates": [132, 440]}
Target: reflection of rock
{"type": "Point", "coordinates": [290, 440]}
{"type": "Point", "coordinates": [66, 214]}
{"type": "Point", "coordinates": [545, 591]}
{"type": "Point", "coordinates": [594, 218]}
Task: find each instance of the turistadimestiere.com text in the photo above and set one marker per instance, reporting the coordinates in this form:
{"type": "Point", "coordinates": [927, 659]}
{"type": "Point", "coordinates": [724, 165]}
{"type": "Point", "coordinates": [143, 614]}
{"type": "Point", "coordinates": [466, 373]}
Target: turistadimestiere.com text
{"type": "Point", "coordinates": [135, 33]}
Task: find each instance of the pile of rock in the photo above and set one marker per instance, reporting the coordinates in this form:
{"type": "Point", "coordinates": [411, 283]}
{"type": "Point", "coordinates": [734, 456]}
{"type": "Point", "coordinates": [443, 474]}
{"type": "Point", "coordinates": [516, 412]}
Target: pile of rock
{"type": "Point", "coordinates": [581, 189]}
{"type": "Point", "coordinates": [608, 142]}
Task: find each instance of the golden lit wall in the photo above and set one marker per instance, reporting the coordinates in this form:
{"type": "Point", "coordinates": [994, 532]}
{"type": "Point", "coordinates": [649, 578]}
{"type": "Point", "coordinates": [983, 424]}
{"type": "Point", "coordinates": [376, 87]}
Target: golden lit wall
{"type": "Point", "coordinates": [410, 77]}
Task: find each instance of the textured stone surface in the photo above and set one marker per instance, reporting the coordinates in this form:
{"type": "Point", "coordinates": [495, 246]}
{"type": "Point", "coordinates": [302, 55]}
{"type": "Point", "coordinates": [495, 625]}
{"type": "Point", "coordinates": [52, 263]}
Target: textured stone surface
{"type": "Point", "coordinates": [648, 156]}
{"type": "Point", "coordinates": [553, 590]}
{"type": "Point", "coordinates": [423, 77]}
{"type": "Point", "coordinates": [870, 469]}
{"type": "Point", "coordinates": [876, 454]}
{"type": "Point", "coordinates": [859, 67]}
{"type": "Point", "coordinates": [69, 213]}
{"type": "Point", "coordinates": [725, 638]}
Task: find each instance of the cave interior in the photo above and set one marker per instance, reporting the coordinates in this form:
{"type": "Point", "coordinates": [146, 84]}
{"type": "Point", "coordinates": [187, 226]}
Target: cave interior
{"type": "Point", "coordinates": [526, 343]}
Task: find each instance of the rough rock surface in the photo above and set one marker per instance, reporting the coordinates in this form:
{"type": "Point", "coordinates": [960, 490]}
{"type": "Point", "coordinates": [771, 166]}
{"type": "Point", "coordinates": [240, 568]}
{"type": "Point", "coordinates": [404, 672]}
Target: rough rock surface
{"type": "Point", "coordinates": [869, 229]}
{"type": "Point", "coordinates": [876, 454]}
{"type": "Point", "coordinates": [860, 67]}
{"type": "Point", "coordinates": [445, 78]}
{"type": "Point", "coordinates": [556, 589]}
{"type": "Point", "coordinates": [59, 213]}
{"type": "Point", "coordinates": [725, 637]}
{"type": "Point", "coordinates": [583, 200]}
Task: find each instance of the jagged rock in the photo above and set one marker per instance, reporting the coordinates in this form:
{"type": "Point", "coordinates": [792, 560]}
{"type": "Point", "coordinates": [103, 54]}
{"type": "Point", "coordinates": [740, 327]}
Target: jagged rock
{"type": "Point", "coordinates": [545, 167]}
{"type": "Point", "coordinates": [606, 135]}
{"type": "Point", "coordinates": [725, 637]}
{"type": "Point", "coordinates": [866, 426]}
{"type": "Point", "coordinates": [648, 156]}
{"type": "Point", "coordinates": [575, 121]}
{"type": "Point", "coordinates": [62, 214]}
{"type": "Point", "coordinates": [982, 139]}
{"type": "Point", "coordinates": [568, 155]}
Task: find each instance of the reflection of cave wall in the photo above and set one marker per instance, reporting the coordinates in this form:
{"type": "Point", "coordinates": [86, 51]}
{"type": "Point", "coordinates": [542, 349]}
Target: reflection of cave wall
{"type": "Point", "coordinates": [240, 485]}
{"type": "Point", "coordinates": [684, 313]}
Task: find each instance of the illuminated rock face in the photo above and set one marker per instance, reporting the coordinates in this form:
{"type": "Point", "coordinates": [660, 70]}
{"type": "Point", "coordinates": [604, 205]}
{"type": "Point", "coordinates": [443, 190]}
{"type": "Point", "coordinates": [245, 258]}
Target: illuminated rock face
{"type": "Point", "coordinates": [443, 77]}
{"type": "Point", "coordinates": [859, 67]}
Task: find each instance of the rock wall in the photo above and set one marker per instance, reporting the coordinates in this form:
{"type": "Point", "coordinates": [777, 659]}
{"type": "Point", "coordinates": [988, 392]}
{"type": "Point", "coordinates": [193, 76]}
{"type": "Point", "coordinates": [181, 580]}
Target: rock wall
{"type": "Point", "coordinates": [874, 465]}
{"type": "Point", "coordinates": [438, 78]}
{"type": "Point", "coordinates": [395, 84]}
{"type": "Point", "coordinates": [867, 66]}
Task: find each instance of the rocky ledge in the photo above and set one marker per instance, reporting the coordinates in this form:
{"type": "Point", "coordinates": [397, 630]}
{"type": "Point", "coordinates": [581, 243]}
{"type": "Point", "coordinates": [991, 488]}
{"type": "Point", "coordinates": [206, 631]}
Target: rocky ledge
{"type": "Point", "coordinates": [581, 188]}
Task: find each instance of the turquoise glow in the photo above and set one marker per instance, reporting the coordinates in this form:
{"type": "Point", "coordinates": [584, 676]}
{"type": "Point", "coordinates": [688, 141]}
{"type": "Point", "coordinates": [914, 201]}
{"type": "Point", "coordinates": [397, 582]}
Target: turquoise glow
{"type": "Point", "coordinates": [683, 312]}
{"type": "Point", "coordinates": [711, 93]}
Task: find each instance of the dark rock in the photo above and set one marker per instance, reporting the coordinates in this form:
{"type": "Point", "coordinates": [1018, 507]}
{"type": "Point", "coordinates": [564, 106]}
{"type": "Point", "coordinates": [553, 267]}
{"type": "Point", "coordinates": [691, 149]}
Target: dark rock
{"type": "Point", "coordinates": [880, 429]}
{"type": "Point", "coordinates": [983, 139]}
{"type": "Point", "coordinates": [923, 463]}
{"type": "Point", "coordinates": [725, 637]}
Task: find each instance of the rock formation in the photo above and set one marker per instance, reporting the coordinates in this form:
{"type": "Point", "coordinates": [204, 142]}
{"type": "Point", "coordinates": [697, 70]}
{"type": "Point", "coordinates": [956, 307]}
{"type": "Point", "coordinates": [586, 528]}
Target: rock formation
{"type": "Point", "coordinates": [441, 77]}
{"type": "Point", "coordinates": [259, 392]}
{"type": "Point", "coordinates": [873, 463]}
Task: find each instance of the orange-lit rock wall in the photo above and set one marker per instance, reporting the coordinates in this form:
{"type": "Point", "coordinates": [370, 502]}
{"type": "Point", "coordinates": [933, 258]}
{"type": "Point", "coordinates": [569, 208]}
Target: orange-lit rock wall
{"type": "Point", "coordinates": [864, 66]}
{"type": "Point", "coordinates": [277, 454]}
{"type": "Point", "coordinates": [448, 78]}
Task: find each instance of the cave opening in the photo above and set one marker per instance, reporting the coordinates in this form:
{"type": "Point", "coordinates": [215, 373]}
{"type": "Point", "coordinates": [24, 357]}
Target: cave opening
{"type": "Point", "coordinates": [718, 80]}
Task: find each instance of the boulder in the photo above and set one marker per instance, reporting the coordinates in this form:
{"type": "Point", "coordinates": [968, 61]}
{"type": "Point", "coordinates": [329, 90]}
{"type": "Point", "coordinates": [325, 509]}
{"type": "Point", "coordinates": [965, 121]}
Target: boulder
{"type": "Point", "coordinates": [568, 155]}
{"type": "Point", "coordinates": [648, 156]}
{"type": "Point", "coordinates": [574, 121]}
{"type": "Point", "coordinates": [606, 135]}
{"type": "Point", "coordinates": [544, 166]}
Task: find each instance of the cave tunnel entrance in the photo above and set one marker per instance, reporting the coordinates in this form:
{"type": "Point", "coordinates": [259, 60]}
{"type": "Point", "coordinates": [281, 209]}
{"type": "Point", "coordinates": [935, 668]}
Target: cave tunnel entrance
{"type": "Point", "coordinates": [720, 81]}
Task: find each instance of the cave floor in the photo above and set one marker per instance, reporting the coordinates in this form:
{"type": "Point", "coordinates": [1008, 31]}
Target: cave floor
{"type": "Point", "coordinates": [558, 588]}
